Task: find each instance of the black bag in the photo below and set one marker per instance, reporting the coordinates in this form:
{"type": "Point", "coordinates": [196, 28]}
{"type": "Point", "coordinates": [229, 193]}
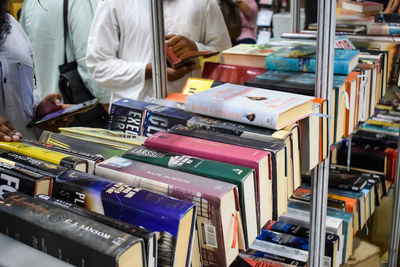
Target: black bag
{"type": "Point", "coordinates": [231, 12]}
{"type": "Point", "coordinates": [74, 91]}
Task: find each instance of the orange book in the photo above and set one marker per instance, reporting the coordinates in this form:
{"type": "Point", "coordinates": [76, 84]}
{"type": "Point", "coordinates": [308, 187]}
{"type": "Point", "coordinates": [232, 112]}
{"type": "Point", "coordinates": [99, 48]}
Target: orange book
{"type": "Point", "coordinates": [323, 126]}
{"type": "Point", "coordinates": [186, 58]}
{"type": "Point", "coordinates": [351, 88]}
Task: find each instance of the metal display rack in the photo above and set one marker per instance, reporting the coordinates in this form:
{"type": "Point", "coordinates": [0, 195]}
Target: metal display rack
{"type": "Point", "coordinates": [323, 89]}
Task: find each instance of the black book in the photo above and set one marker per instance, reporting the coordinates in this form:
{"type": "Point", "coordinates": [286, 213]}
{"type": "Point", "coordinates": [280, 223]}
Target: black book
{"type": "Point", "coordinates": [277, 148]}
{"type": "Point", "coordinates": [66, 235]}
{"type": "Point", "coordinates": [150, 238]}
{"type": "Point", "coordinates": [14, 178]}
{"type": "Point", "coordinates": [362, 158]}
{"type": "Point", "coordinates": [350, 182]}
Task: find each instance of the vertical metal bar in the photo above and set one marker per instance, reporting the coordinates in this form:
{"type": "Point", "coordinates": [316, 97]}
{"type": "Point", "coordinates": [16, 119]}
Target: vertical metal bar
{"type": "Point", "coordinates": [295, 14]}
{"type": "Point", "coordinates": [159, 59]}
{"type": "Point", "coordinates": [323, 88]}
{"type": "Point", "coordinates": [395, 231]}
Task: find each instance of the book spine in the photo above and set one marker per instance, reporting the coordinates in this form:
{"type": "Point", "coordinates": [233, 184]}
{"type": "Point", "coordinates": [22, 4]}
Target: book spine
{"type": "Point", "coordinates": [283, 239]}
{"type": "Point", "coordinates": [59, 233]}
{"type": "Point", "coordinates": [14, 178]}
{"type": "Point", "coordinates": [126, 120]}
{"type": "Point", "coordinates": [259, 257]}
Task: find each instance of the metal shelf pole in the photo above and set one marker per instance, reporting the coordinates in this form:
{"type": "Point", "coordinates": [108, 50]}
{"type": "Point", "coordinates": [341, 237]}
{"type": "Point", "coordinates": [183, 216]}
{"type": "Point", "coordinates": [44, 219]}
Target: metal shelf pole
{"type": "Point", "coordinates": [159, 59]}
{"type": "Point", "coordinates": [395, 231]}
{"type": "Point", "coordinates": [295, 14]}
{"type": "Point", "coordinates": [323, 89]}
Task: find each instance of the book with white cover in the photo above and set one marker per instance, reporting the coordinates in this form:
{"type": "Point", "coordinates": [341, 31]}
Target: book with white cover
{"type": "Point", "coordinates": [255, 106]}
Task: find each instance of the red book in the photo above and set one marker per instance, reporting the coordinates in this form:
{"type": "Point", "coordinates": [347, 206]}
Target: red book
{"type": "Point", "coordinates": [259, 160]}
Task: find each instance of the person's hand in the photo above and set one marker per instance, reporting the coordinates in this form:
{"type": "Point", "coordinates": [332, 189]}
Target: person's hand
{"type": "Point", "coordinates": [180, 44]}
{"type": "Point", "coordinates": [176, 74]}
{"type": "Point", "coordinates": [7, 131]}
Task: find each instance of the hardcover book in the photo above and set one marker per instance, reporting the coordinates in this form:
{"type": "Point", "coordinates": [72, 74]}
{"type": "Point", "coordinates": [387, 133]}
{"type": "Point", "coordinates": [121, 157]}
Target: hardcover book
{"type": "Point", "coordinates": [260, 107]}
{"type": "Point", "coordinates": [252, 158]}
{"type": "Point", "coordinates": [242, 177]}
{"type": "Point", "coordinates": [14, 178]}
{"type": "Point", "coordinates": [186, 58]}
{"type": "Point", "coordinates": [301, 60]}
{"type": "Point", "coordinates": [59, 140]}
{"type": "Point", "coordinates": [68, 236]}
{"type": "Point", "coordinates": [173, 218]}
{"type": "Point", "coordinates": [229, 73]}
{"type": "Point", "coordinates": [46, 155]}
{"type": "Point", "coordinates": [141, 118]}
{"type": "Point", "coordinates": [305, 195]}
{"type": "Point", "coordinates": [343, 181]}
{"type": "Point", "coordinates": [249, 55]}
{"type": "Point", "coordinates": [279, 159]}
{"type": "Point", "coordinates": [149, 238]}
{"type": "Point", "coordinates": [216, 201]}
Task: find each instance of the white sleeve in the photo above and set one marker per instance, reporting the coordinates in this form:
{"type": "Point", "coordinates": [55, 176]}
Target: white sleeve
{"type": "Point", "coordinates": [216, 36]}
{"type": "Point", "coordinates": [102, 60]}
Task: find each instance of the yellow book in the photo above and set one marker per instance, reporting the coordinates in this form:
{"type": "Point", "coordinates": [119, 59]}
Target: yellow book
{"type": "Point", "coordinates": [196, 85]}
{"type": "Point", "coordinates": [377, 121]}
{"type": "Point", "coordinates": [46, 155]}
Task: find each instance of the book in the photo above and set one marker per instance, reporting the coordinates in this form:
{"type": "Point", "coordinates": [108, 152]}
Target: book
{"type": "Point", "coordinates": [305, 195]}
{"type": "Point", "coordinates": [149, 238]}
{"type": "Point", "coordinates": [144, 119]}
{"type": "Point", "coordinates": [260, 107]}
{"type": "Point", "coordinates": [216, 201]}
{"type": "Point", "coordinates": [248, 55]}
{"type": "Point", "coordinates": [91, 159]}
{"type": "Point", "coordinates": [362, 158]}
{"type": "Point", "coordinates": [173, 218]}
{"type": "Point", "coordinates": [343, 181]}
{"type": "Point", "coordinates": [66, 235]}
{"type": "Point", "coordinates": [348, 28]}
{"type": "Point", "coordinates": [242, 177]}
{"type": "Point", "coordinates": [363, 6]}
{"type": "Point", "coordinates": [276, 148]}
{"type": "Point", "coordinates": [263, 261]}
{"type": "Point", "coordinates": [13, 249]}
{"type": "Point", "coordinates": [229, 73]}
{"type": "Point", "coordinates": [116, 139]}
{"type": "Point", "coordinates": [294, 59]}
{"type": "Point", "coordinates": [14, 178]}
{"type": "Point", "coordinates": [252, 158]}
{"type": "Point", "coordinates": [46, 155]}
{"type": "Point", "coordinates": [64, 141]}
{"type": "Point", "coordinates": [186, 58]}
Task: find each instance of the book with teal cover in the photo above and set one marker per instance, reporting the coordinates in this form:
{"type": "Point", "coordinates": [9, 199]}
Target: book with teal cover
{"type": "Point", "coordinates": [242, 177]}
{"type": "Point", "coordinates": [134, 205]}
{"type": "Point", "coordinates": [286, 59]}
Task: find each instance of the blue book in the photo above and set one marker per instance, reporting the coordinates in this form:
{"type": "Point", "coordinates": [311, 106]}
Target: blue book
{"type": "Point", "coordinates": [173, 218]}
{"type": "Point", "coordinates": [283, 239]}
{"type": "Point", "coordinates": [142, 118]}
{"type": "Point", "coordinates": [286, 59]}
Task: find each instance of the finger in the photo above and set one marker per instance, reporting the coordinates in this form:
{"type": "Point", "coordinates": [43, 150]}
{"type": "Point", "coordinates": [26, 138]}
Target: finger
{"type": "Point", "coordinates": [169, 36]}
{"type": "Point", "coordinates": [6, 131]}
{"type": "Point", "coordinates": [174, 40]}
{"type": "Point", "coordinates": [55, 99]}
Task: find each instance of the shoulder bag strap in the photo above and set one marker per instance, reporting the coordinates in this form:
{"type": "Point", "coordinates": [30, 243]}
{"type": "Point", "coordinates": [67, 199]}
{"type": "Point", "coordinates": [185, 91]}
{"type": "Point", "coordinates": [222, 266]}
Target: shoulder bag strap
{"type": "Point", "coordinates": [65, 19]}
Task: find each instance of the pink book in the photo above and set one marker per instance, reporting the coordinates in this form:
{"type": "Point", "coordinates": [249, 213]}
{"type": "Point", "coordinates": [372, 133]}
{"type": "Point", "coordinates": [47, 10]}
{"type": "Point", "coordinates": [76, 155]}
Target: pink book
{"type": "Point", "coordinates": [257, 159]}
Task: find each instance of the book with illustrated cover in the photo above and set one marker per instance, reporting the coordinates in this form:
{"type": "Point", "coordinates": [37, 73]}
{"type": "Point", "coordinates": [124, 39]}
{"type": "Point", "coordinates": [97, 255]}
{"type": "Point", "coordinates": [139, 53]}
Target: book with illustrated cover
{"type": "Point", "coordinates": [64, 141]}
{"type": "Point", "coordinates": [216, 201]}
{"type": "Point", "coordinates": [301, 59]}
{"type": "Point", "coordinates": [252, 158]}
{"type": "Point", "coordinates": [149, 238]}
{"type": "Point", "coordinates": [66, 235]}
{"type": "Point", "coordinates": [242, 177]}
{"type": "Point", "coordinates": [116, 139]}
{"type": "Point", "coordinates": [141, 118]}
{"type": "Point", "coordinates": [173, 218]}
{"type": "Point", "coordinates": [279, 159]}
{"type": "Point", "coordinates": [14, 178]}
{"type": "Point", "coordinates": [186, 58]}
{"type": "Point", "coordinates": [305, 195]}
{"type": "Point", "coordinates": [255, 106]}
{"type": "Point", "coordinates": [46, 155]}
{"type": "Point", "coordinates": [91, 159]}
{"type": "Point", "coordinates": [249, 55]}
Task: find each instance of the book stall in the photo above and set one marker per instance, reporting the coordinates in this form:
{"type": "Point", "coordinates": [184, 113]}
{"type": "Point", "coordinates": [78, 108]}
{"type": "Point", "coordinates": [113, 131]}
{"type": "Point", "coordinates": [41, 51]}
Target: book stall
{"type": "Point", "coordinates": [283, 153]}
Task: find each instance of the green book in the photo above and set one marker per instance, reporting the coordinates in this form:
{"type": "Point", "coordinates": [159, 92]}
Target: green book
{"type": "Point", "coordinates": [242, 177]}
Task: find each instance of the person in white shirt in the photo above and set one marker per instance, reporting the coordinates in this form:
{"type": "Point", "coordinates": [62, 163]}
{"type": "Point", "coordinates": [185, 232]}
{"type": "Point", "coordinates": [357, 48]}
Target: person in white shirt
{"type": "Point", "coordinates": [119, 52]}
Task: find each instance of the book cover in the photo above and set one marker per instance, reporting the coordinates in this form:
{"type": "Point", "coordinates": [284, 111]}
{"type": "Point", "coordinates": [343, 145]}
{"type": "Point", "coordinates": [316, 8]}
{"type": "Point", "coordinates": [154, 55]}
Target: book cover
{"type": "Point", "coordinates": [362, 158]}
{"type": "Point", "coordinates": [252, 158]}
{"type": "Point", "coordinates": [67, 236]}
{"type": "Point", "coordinates": [141, 118]}
{"type": "Point", "coordinates": [117, 139]}
{"type": "Point", "coordinates": [305, 195]}
{"type": "Point", "coordinates": [260, 107]}
{"type": "Point", "coordinates": [343, 181]}
{"type": "Point", "coordinates": [46, 155]}
{"type": "Point", "coordinates": [268, 260]}
{"type": "Point", "coordinates": [279, 159]}
{"type": "Point", "coordinates": [149, 238]}
{"type": "Point", "coordinates": [14, 178]}
{"type": "Point", "coordinates": [173, 218]}
{"type": "Point", "coordinates": [216, 202]}
{"type": "Point", "coordinates": [248, 55]}
{"type": "Point", "coordinates": [59, 140]}
{"type": "Point", "coordinates": [242, 177]}
{"type": "Point", "coordinates": [302, 59]}
{"type": "Point", "coordinates": [186, 58]}
{"type": "Point", "coordinates": [363, 6]}
{"type": "Point", "coordinates": [228, 73]}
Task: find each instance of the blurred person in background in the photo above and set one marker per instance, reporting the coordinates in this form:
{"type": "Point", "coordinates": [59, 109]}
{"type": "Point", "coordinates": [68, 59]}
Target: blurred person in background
{"type": "Point", "coordinates": [248, 15]}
